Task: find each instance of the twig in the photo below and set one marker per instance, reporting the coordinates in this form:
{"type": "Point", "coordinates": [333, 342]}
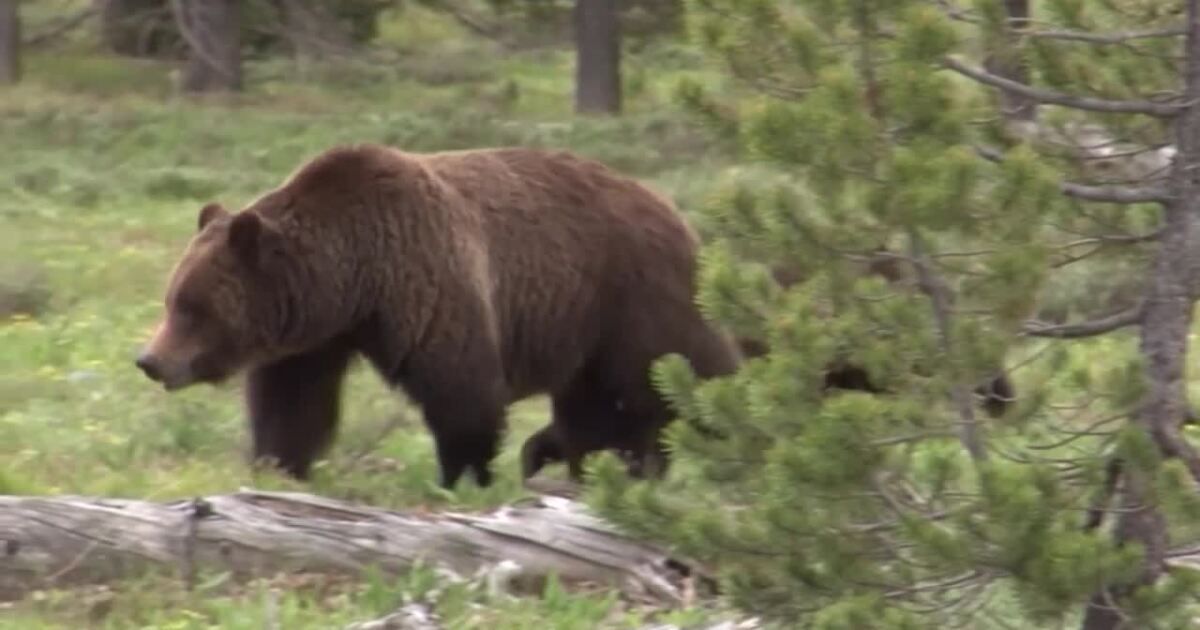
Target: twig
{"type": "Point", "coordinates": [1114, 238]}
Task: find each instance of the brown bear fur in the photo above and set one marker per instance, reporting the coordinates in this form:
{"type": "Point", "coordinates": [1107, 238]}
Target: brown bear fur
{"type": "Point", "coordinates": [997, 394]}
{"type": "Point", "coordinates": [468, 279]}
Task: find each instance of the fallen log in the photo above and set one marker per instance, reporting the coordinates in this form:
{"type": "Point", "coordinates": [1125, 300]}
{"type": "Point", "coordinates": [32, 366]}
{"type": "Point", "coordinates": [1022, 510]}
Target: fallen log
{"type": "Point", "coordinates": [69, 540]}
{"type": "Point", "coordinates": [420, 617]}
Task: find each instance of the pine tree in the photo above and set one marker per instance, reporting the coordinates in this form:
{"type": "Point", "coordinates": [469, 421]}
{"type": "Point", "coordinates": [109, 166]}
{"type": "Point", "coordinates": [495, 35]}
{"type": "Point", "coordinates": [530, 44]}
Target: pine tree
{"type": "Point", "coordinates": [875, 140]}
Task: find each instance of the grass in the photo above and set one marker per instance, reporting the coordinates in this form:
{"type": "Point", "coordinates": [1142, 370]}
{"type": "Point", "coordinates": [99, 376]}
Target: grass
{"type": "Point", "coordinates": [102, 173]}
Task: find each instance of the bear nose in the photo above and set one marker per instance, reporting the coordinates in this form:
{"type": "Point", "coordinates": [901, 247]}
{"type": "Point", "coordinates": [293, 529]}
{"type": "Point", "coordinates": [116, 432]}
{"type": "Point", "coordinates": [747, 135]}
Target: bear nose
{"type": "Point", "coordinates": [147, 364]}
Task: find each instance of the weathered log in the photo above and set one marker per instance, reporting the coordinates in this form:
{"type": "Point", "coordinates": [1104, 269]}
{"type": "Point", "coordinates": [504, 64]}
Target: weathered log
{"type": "Point", "coordinates": [410, 617]}
{"type": "Point", "coordinates": [68, 540]}
{"type": "Point", "coordinates": [421, 617]}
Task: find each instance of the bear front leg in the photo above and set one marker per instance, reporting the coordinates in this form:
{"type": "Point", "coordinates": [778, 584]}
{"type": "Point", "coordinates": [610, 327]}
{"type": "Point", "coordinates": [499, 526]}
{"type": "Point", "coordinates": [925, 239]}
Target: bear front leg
{"type": "Point", "coordinates": [459, 451]}
{"type": "Point", "coordinates": [466, 425]}
{"type": "Point", "coordinates": [461, 395]}
{"type": "Point", "coordinates": [293, 406]}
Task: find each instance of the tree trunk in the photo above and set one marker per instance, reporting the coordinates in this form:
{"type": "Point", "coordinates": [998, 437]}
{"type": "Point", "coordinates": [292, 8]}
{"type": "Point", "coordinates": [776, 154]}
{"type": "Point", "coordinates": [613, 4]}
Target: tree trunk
{"type": "Point", "coordinates": [73, 540]}
{"type": "Point", "coordinates": [10, 42]}
{"type": "Point", "coordinates": [1166, 321]}
{"type": "Point", "coordinates": [1006, 62]}
{"type": "Point", "coordinates": [211, 29]}
{"type": "Point", "coordinates": [597, 57]}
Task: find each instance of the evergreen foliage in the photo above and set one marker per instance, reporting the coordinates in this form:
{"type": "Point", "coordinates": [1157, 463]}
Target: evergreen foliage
{"type": "Point", "coordinates": [842, 509]}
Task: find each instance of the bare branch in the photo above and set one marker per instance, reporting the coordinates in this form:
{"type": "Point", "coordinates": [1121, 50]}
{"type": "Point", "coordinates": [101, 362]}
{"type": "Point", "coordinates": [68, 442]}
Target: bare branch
{"type": "Point", "coordinates": [1149, 108]}
{"type": "Point", "coordinates": [1090, 328]}
{"type": "Point", "coordinates": [939, 298]}
{"type": "Point", "coordinates": [1116, 194]}
{"type": "Point", "coordinates": [1102, 239]}
{"type": "Point", "coordinates": [1119, 37]}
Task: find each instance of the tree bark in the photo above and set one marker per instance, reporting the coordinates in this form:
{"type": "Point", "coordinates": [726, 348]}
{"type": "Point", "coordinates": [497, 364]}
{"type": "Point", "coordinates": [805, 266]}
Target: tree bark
{"type": "Point", "coordinates": [1006, 62]}
{"type": "Point", "coordinates": [211, 29]}
{"type": "Point", "coordinates": [597, 57]}
{"type": "Point", "coordinates": [10, 42]}
{"type": "Point", "coordinates": [72, 540]}
{"type": "Point", "coordinates": [1166, 321]}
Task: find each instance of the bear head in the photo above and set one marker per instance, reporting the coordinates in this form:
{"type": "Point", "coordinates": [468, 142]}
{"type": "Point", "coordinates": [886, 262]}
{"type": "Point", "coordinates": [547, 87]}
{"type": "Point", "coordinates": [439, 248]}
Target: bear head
{"type": "Point", "coordinates": [225, 303]}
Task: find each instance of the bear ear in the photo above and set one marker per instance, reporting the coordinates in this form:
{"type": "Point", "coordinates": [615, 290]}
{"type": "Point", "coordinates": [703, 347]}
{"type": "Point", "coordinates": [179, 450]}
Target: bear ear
{"type": "Point", "coordinates": [208, 213]}
{"type": "Point", "coordinates": [245, 233]}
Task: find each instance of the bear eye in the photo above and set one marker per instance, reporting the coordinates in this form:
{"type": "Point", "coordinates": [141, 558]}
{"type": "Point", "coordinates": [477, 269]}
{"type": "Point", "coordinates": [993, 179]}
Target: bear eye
{"type": "Point", "coordinates": [188, 310]}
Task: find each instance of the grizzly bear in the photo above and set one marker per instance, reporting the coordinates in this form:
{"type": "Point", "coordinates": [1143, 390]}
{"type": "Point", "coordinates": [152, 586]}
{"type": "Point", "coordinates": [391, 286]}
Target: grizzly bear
{"type": "Point", "coordinates": [997, 393]}
{"type": "Point", "coordinates": [467, 279]}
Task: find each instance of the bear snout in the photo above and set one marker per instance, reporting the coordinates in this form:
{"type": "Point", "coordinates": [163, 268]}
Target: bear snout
{"type": "Point", "coordinates": [171, 375]}
{"type": "Point", "coordinates": [149, 366]}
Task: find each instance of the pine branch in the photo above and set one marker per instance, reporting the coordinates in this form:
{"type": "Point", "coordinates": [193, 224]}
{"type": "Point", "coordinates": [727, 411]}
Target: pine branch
{"type": "Point", "coordinates": [1051, 97]}
{"type": "Point", "coordinates": [1092, 328]}
{"type": "Point", "coordinates": [1119, 37]}
{"type": "Point", "coordinates": [1104, 194]}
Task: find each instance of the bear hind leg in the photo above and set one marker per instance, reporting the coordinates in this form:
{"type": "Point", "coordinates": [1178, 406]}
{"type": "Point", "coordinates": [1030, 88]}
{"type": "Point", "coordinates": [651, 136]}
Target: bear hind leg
{"type": "Point", "coordinates": [541, 448]}
{"type": "Point", "coordinates": [575, 428]}
{"type": "Point", "coordinates": [587, 416]}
